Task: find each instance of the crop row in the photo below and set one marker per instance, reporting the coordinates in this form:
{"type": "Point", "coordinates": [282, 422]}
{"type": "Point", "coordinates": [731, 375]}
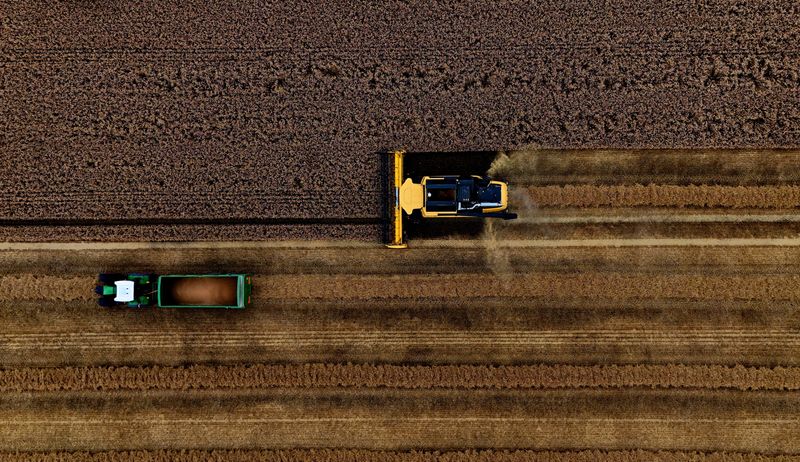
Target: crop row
{"type": "Point", "coordinates": [202, 377]}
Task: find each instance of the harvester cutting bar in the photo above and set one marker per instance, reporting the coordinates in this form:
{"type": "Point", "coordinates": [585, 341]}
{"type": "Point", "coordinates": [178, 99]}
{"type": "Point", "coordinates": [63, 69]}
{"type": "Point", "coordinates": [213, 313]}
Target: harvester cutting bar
{"type": "Point", "coordinates": [396, 180]}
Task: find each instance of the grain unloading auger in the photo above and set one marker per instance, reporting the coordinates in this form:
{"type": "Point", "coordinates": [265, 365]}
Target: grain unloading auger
{"type": "Point", "coordinates": [442, 196]}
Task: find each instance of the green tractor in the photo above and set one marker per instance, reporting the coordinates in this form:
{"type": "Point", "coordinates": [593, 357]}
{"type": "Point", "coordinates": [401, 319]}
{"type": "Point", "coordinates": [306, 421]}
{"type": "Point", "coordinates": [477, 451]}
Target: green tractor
{"type": "Point", "coordinates": [140, 290]}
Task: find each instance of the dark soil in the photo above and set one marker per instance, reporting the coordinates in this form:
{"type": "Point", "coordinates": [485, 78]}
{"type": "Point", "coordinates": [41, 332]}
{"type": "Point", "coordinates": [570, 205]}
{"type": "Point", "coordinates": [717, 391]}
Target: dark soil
{"type": "Point", "coordinates": [259, 110]}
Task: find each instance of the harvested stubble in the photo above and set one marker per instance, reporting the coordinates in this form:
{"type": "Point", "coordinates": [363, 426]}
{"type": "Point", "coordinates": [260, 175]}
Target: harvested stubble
{"type": "Point", "coordinates": [201, 377]}
{"type": "Point", "coordinates": [45, 287]}
{"type": "Point", "coordinates": [673, 196]}
{"type": "Point", "coordinates": [363, 455]}
{"type": "Point", "coordinates": [588, 284]}
{"type": "Point", "coordinates": [323, 306]}
{"type": "Point", "coordinates": [688, 303]}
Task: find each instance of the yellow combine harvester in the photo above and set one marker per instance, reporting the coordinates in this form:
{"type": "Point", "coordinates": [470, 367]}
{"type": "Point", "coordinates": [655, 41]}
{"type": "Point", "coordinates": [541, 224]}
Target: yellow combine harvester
{"type": "Point", "coordinates": [444, 196]}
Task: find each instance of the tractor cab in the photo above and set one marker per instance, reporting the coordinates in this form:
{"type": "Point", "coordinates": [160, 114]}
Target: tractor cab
{"type": "Point", "coordinates": [131, 290]}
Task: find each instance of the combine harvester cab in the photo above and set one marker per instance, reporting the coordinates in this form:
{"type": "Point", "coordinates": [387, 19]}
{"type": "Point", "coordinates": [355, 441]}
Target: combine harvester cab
{"type": "Point", "coordinates": [137, 290]}
{"type": "Point", "coordinates": [445, 196]}
{"type": "Point", "coordinates": [456, 197]}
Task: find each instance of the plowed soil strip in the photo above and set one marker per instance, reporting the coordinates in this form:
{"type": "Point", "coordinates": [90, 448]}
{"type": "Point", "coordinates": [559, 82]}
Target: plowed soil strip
{"type": "Point", "coordinates": [199, 377]}
{"type": "Point", "coordinates": [660, 195]}
{"type": "Point", "coordinates": [364, 455]}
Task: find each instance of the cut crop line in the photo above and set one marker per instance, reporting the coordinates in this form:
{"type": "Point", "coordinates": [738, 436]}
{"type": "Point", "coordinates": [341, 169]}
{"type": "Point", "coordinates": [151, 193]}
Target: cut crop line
{"type": "Point", "coordinates": [660, 218]}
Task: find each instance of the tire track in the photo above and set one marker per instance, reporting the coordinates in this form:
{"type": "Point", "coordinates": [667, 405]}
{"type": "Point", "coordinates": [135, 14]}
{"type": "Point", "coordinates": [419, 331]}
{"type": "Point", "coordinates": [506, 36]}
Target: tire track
{"type": "Point", "coordinates": [775, 339]}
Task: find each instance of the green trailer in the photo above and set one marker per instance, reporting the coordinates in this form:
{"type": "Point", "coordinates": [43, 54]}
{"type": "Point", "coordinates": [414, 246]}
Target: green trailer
{"type": "Point", "coordinates": [139, 290]}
